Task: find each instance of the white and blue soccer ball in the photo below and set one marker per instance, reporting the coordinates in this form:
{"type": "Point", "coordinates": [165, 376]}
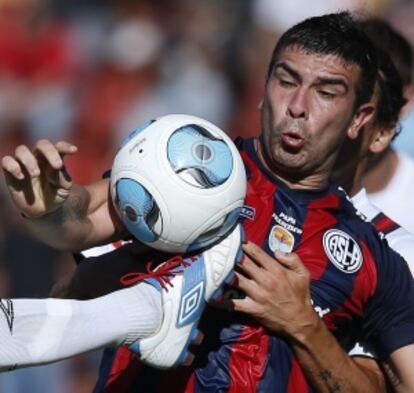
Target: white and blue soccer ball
{"type": "Point", "coordinates": [178, 183]}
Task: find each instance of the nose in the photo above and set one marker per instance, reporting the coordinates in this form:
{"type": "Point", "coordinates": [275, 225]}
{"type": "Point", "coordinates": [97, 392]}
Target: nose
{"type": "Point", "coordinates": [297, 107]}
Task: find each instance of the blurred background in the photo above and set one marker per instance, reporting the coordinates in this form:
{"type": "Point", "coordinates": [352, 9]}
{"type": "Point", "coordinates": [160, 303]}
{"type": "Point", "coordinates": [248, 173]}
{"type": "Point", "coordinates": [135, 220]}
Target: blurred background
{"type": "Point", "coordinates": [90, 71]}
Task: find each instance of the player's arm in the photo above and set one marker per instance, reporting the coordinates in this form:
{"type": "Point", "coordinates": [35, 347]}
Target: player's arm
{"type": "Point", "coordinates": [329, 368]}
{"type": "Point", "coordinates": [278, 296]}
{"type": "Point", "coordinates": [85, 219]}
{"type": "Point", "coordinates": [61, 214]}
{"type": "Point", "coordinates": [399, 369]}
{"type": "Point", "coordinates": [388, 320]}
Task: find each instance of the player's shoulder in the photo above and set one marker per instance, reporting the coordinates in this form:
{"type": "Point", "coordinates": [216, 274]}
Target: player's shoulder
{"type": "Point", "coordinates": [402, 241]}
{"type": "Point", "coordinates": [348, 216]}
{"type": "Point", "coordinates": [359, 228]}
{"type": "Point", "coordinates": [241, 142]}
{"type": "Point", "coordinates": [245, 146]}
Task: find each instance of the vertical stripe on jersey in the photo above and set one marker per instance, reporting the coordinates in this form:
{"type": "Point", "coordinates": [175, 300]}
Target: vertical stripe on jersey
{"type": "Point", "coordinates": [104, 369]}
{"type": "Point", "coordinates": [317, 217]}
{"type": "Point", "coordinates": [275, 377]}
{"type": "Point", "coordinates": [260, 194]}
{"type": "Point", "coordinates": [297, 382]}
{"type": "Point", "coordinates": [247, 362]}
{"type": "Point", "coordinates": [361, 292]}
{"type": "Point", "coordinates": [213, 369]}
{"type": "Point", "coordinates": [124, 368]}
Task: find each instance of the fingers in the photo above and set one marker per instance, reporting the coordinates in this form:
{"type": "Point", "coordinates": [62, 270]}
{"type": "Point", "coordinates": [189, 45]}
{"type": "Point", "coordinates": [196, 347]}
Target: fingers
{"type": "Point", "coordinates": [249, 287]}
{"type": "Point", "coordinates": [12, 167]}
{"type": "Point", "coordinates": [23, 162]}
{"type": "Point", "coordinates": [27, 161]}
{"type": "Point", "coordinates": [53, 154]}
{"type": "Point", "coordinates": [65, 148]}
{"type": "Point", "coordinates": [291, 261]}
{"type": "Point", "coordinates": [246, 305]}
{"type": "Point", "coordinates": [258, 256]}
{"type": "Point", "coordinates": [254, 301]}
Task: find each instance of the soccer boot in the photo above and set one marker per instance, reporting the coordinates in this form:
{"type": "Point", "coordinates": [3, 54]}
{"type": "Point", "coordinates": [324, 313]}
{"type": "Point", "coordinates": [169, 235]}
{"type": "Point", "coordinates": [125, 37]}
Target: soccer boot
{"type": "Point", "coordinates": [186, 285]}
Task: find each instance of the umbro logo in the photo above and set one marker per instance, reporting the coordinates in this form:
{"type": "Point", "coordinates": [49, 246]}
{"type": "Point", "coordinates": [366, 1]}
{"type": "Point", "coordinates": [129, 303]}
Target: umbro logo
{"type": "Point", "coordinates": [6, 306]}
{"type": "Point", "coordinates": [190, 304]}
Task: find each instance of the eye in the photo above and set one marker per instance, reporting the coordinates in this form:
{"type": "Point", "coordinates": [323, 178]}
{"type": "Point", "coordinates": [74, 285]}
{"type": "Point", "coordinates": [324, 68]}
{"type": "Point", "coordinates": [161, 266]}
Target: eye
{"type": "Point", "coordinates": [326, 94]}
{"type": "Point", "coordinates": [286, 83]}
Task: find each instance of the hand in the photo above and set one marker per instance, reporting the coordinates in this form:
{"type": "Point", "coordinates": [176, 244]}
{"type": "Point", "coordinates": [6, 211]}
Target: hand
{"type": "Point", "coordinates": [37, 180]}
{"type": "Point", "coordinates": [277, 291]}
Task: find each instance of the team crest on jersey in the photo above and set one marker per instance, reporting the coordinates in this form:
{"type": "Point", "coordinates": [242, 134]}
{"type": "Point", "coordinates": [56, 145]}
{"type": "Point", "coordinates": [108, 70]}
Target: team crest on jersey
{"type": "Point", "coordinates": [342, 250]}
{"type": "Point", "coordinates": [281, 239]}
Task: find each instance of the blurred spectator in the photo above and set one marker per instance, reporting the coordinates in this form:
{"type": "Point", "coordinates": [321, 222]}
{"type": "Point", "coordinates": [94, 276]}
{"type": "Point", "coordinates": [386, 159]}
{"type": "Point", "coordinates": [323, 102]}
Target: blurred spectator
{"type": "Point", "coordinates": [278, 16]}
{"type": "Point", "coordinates": [128, 68]}
{"type": "Point", "coordinates": [36, 67]}
{"type": "Point", "coordinates": [402, 18]}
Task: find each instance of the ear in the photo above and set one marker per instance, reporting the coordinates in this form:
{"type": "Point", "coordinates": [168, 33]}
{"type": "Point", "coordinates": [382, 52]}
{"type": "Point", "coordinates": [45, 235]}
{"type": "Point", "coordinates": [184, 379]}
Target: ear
{"type": "Point", "coordinates": [381, 140]}
{"type": "Point", "coordinates": [409, 94]}
{"type": "Point", "coordinates": [260, 105]}
{"type": "Point", "coordinates": [363, 115]}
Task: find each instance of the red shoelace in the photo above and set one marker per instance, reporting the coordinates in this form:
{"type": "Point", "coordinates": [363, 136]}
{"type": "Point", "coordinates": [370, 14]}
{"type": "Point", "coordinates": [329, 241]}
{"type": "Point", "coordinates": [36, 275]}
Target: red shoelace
{"type": "Point", "coordinates": [163, 273]}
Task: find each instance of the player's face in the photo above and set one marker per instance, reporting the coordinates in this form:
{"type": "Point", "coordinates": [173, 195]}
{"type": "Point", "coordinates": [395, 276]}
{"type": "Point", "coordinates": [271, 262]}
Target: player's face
{"type": "Point", "coordinates": [308, 109]}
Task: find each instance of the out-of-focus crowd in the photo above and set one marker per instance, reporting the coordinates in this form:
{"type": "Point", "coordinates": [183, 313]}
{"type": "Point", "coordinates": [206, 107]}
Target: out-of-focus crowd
{"type": "Point", "coordinates": [91, 71]}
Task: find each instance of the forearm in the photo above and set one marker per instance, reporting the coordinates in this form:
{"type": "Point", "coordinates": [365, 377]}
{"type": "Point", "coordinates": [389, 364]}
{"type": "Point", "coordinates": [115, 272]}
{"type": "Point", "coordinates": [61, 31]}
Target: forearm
{"type": "Point", "coordinates": [328, 367]}
{"type": "Point", "coordinates": [278, 296]}
{"type": "Point", "coordinates": [67, 227]}
{"type": "Point", "coordinates": [84, 220]}
{"type": "Point", "coordinates": [398, 369]}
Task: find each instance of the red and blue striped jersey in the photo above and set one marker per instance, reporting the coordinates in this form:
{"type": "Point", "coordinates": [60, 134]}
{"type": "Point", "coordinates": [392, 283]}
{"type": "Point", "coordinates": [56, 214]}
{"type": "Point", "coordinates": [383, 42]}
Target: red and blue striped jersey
{"type": "Point", "coordinates": [357, 284]}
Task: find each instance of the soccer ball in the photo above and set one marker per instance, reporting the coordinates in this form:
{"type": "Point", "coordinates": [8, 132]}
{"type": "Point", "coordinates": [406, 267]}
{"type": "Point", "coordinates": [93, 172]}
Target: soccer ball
{"type": "Point", "coordinates": [178, 183]}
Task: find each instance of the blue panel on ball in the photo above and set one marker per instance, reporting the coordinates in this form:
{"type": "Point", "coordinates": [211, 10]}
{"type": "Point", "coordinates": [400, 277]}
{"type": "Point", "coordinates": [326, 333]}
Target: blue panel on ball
{"type": "Point", "coordinates": [135, 204]}
{"type": "Point", "coordinates": [134, 133]}
{"type": "Point", "coordinates": [210, 237]}
{"type": "Point", "coordinates": [194, 150]}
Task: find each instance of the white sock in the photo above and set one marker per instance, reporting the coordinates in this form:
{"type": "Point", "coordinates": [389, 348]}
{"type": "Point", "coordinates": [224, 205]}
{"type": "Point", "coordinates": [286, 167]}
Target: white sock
{"type": "Point", "coordinates": [36, 331]}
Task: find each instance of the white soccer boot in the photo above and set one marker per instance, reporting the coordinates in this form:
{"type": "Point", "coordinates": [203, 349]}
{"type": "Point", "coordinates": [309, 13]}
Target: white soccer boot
{"type": "Point", "coordinates": [186, 285]}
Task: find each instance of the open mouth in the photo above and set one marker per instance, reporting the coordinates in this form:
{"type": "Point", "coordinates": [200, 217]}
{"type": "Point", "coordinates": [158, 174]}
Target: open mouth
{"type": "Point", "coordinates": [292, 141]}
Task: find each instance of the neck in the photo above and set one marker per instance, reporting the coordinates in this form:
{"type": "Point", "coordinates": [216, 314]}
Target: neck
{"type": "Point", "coordinates": [293, 179]}
{"type": "Point", "coordinates": [349, 176]}
{"type": "Point", "coordinates": [380, 172]}
{"type": "Point", "coordinates": [356, 185]}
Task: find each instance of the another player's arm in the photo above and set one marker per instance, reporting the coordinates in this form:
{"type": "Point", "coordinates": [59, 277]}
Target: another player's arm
{"type": "Point", "coordinates": [278, 295]}
{"type": "Point", "coordinates": [399, 369]}
{"type": "Point", "coordinates": [63, 215]}
{"type": "Point", "coordinates": [85, 219]}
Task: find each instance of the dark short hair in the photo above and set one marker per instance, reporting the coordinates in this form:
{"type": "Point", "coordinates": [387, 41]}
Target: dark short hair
{"type": "Point", "coordinates": [385, 37]}
{"type": "Point", "coordinates": [391, 93]}
{"type": "Point", "coordinates": [334, 34]}
{"type": "Point", "coordinates": [394, 69]}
